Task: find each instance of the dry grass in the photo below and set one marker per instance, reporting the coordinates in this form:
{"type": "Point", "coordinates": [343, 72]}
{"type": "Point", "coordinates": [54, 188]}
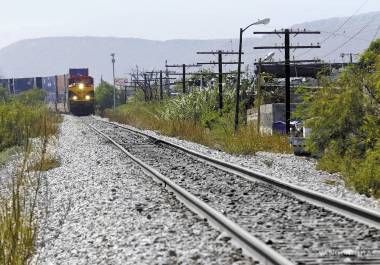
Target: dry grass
{"type": "Point", "coordinates": [245, 141]}
{"type": "Point", "coordinates": [45, 164]}
{"type": "Point", "coordinates": [19, 192]}
{"type": "Point", "coordinates": [248, 141]}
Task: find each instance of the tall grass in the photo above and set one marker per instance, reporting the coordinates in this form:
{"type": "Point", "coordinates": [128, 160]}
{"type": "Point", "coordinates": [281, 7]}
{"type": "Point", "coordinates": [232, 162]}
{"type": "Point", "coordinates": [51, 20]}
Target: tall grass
{"type": "Point", "coordinates": [19, 123]}
{"type": "Point", "coordinates": [200, 124]}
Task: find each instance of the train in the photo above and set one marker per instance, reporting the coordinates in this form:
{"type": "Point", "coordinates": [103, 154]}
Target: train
{"type": "Point", "coordinates": [81, 94]}
{"type": "Point", "coordinates": [72, 92]}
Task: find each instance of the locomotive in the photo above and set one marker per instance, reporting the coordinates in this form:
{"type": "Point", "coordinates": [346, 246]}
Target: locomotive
{"type": "Point", "coordinates": [81, 96]}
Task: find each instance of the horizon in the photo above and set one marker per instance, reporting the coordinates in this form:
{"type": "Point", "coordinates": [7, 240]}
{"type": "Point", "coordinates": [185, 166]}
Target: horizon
{"type": "Point", "coordinates": [22, 25]}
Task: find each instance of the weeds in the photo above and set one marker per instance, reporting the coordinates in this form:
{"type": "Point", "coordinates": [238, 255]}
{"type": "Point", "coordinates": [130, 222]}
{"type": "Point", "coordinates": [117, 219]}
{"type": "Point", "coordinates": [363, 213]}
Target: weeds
{"type": "Point", "coordinates": [199, 126]}
{"type": "Point", "coordinates": [21, 120]}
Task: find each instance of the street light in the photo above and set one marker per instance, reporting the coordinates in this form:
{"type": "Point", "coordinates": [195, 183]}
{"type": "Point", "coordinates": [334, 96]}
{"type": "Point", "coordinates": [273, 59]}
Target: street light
{"type": "Point", "coordinates": [260, 22]}
{"type": "Point", "coordinates": [114, 84]}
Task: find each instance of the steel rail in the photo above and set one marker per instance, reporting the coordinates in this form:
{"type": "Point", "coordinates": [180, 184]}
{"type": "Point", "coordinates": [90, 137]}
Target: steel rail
{"type": "Point", "coordinates": [258, 249]}
{"type": "Point", "coordinates": [350, 210]}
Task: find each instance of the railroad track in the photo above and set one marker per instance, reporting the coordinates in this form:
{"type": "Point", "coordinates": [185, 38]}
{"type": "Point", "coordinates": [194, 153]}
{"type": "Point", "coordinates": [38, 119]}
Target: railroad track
{"type": "Point", "coordinates": [276, 222]}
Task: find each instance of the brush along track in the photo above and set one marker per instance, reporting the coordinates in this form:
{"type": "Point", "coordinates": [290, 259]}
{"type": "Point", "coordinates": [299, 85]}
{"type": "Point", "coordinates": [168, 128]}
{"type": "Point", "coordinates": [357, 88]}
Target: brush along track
{"type": "Point", "coordinates": [300, 231]}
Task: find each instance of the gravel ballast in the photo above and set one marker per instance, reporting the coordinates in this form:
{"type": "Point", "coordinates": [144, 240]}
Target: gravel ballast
{"type": "Point", "coordinates": [296, 229]}
{"type": "Point", "coordinates": [293, 169]}
{"type": "Point", "coordinates": [102, 209]}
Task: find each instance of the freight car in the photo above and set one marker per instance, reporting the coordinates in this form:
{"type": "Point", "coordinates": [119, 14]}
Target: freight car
{"type": "Point", "coordinates": [81, 96]}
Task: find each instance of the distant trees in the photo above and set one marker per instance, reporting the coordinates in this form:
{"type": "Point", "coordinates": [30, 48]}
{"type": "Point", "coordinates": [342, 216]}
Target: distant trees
{"type": "Point", "coordinates": [104, 97]}
{"type": "Point", "coordinates": [32, 97]}
{"type": "Point", "coordinates": [344, 116]}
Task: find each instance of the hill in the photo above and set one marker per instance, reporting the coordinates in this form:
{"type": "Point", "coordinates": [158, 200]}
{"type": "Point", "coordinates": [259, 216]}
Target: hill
{"type": "Point", "coordinates": [54, 55]}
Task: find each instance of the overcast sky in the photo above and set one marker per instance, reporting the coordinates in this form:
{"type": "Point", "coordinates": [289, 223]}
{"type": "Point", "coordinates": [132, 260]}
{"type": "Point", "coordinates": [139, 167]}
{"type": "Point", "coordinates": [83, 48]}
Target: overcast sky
{"type": "Point", "coordinates": [161, 19]}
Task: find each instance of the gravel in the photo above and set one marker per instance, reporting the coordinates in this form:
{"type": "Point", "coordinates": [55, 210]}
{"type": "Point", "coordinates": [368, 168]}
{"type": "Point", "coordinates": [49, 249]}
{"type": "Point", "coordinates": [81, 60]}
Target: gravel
{"type": "Point", "coordinates": [102, 209]}
{"type": "Point", "coordinates": [293, 169]}
{"type": "Point", "coordinates": [298, 230]}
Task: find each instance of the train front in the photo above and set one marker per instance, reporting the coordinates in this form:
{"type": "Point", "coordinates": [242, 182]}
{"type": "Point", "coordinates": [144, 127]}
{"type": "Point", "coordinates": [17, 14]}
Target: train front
{"type": "Point", "coordinates": [81, 95]}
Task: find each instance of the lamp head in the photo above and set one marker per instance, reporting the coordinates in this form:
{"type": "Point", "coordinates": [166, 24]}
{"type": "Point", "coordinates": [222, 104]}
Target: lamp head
{"type": "Point", "coordinates": [269, 57]}
{"type": "Point", "coordinates": [264, 21]}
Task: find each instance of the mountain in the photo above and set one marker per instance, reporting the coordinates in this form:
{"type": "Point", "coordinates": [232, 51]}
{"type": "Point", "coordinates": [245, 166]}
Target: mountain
{"type": "Point", "coordinates": [54, 55]}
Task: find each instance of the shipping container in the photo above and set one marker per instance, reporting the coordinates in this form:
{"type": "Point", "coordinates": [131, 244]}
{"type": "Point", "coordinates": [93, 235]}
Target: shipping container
{"type": "Point", "coordinates": [4, 83]}
{"type": "Point", "coordinates": [61, 84]}
{"type": "Point", "coordinates": [49, 84]}
{"type": "Point", "coordinates": [38, 82]}
{"type": "Point", "coordinates": [23, 84]}
{"type": "Point", "coordinates": [73, 72]}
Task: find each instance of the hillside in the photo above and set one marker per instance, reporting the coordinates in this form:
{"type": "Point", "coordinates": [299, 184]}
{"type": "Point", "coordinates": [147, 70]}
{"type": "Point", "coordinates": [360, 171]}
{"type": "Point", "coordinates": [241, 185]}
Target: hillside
{"type": "Point", "coordinates": [54, 55]}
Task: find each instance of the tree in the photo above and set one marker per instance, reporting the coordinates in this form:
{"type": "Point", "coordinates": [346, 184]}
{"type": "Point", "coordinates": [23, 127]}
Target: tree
{"type": "Point", "coordinates": [344, 116]}
{"type": "Point", "coordinates": [103, 96]}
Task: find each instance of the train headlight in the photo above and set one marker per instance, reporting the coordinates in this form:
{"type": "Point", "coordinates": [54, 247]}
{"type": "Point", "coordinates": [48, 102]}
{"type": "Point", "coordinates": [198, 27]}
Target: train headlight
{"type": "Point", "coordinates": [75, 97]}
{"type": "Point", "coordinates": [87, 97]}
{"type": "Point", "coordinates": [81, 86]}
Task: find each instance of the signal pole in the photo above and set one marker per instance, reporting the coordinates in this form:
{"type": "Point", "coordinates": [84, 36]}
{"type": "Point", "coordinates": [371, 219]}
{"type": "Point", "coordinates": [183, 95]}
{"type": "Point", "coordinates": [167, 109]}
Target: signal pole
{"type": "Point", "coordinates": [287, 48]}
{"type": "Point", "coordinates": [114, 84]}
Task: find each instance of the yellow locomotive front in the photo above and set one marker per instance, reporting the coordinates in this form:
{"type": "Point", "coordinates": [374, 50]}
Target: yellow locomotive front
{"type": "Point", "coordinates": [81, 96]}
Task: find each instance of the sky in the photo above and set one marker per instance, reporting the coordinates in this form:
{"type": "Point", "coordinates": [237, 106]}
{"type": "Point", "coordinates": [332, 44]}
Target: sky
{"type": "Point", "coordinates": [162, 19]}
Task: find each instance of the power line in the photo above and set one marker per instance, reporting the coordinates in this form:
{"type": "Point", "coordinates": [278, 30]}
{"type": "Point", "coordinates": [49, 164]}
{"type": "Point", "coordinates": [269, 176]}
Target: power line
{"type": "Point", "coordinates": [342, 35]}
{"type": "Point", "coordinates": [339, 28]}
{"type": "Point", "coordinates": [351, 38]}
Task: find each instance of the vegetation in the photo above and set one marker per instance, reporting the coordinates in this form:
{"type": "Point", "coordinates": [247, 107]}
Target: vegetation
{"type": "Point", "coordinates": [195, 117]}
{"type": "Point", "coordinates": [22, 118]}
{"type": "Point", "coordinates": [104, 97]}
{"type": "Point", "coordinates": [344, 116]}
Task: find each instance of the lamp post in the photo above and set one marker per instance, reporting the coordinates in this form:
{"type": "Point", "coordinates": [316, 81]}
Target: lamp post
{"type": "Point", "coordinates": [237, 110]}
{"type": "Point", "coordinates": [114, 84]}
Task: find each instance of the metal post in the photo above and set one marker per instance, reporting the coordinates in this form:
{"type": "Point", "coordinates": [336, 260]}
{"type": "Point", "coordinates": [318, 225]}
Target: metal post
{"type": "Point", "coordinates": [56, 94]}
{"type": "Point", "coordinates": [184, 78]}
{"type": "Point", "coordinates": [65, 98]}
{"type": "Point", "coordinates": [287, 80]}
{"type": "Point", "coordinates": [220, 81]}
{"type": "Point", "coordinates": [114, 84]}
{"type": "Point", "coordinates": [237, 109]}
{"type": "Point", "coordinates": [161, 87]}
{"type": "Point", "coordinates": [125, 94]}
{"type": "Point", "coordinates": [259, 97]}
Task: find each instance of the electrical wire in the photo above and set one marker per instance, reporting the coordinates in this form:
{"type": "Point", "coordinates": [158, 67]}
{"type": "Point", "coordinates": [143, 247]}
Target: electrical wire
{"type": "Point", "coordinates": [347, 37]}
{"type": "Point", "coordinates": [339, 28]}
{"type": "Point", "coordinates": [352, 37]}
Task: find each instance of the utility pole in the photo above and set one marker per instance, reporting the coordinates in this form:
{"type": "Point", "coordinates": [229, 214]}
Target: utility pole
{"type": "Point", "coordinates": [287, 46]}
{"type": "Point", "coordinates": [220, 64]}
{"type": "Point", "coordinates": [161, 80]}
{"type": "Point", "coordinates": [183, 66]}
{"type": "Point", "coordinates": [161, 87]}
{"type": "Point", "coordinates": [114, 84]}
{"type": "Point", "coordinates": [259, 97]}
{"type": "Point", "coordinates": [351, 55]}
{"type": "Point", "coordinates": [220, 81]}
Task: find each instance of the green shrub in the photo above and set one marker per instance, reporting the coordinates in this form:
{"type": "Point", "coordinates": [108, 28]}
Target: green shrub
{"type": "Point", "coordinates": [344, 116]}
{"type": "Point", "coordinates": [104, 97]}
{"type": "Point", "coordinates": [32, 97]}
{"type": "Point", "coordinates": [366, 179]}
